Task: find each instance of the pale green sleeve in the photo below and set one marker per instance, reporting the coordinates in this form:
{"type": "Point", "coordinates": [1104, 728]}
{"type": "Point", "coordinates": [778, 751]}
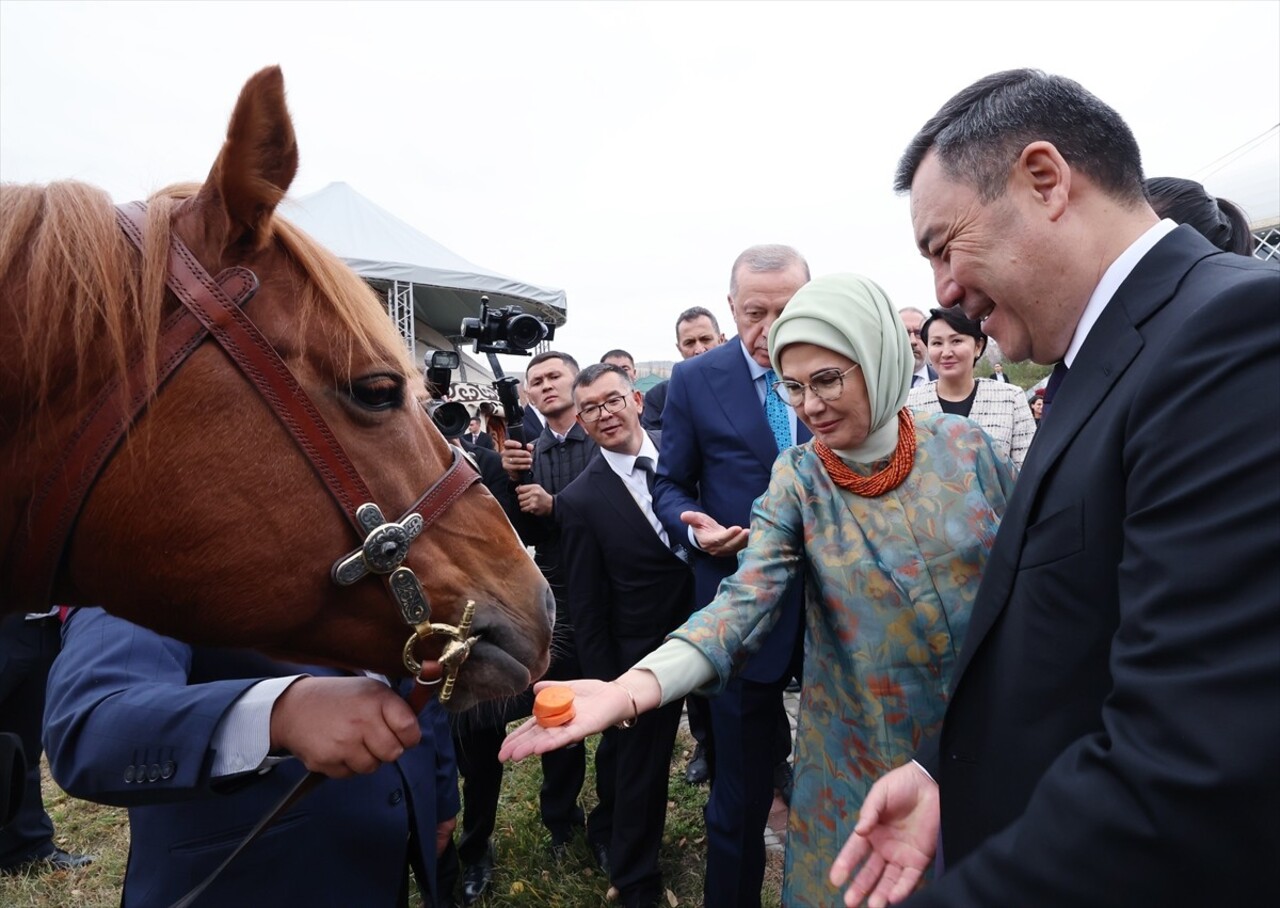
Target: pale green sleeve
{"type": "Point", "coordinates": [679, 667]}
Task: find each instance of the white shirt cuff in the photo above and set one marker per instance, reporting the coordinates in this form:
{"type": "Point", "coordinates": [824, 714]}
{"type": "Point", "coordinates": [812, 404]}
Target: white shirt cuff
{"type": "Point", "coordinates": [242, 740]}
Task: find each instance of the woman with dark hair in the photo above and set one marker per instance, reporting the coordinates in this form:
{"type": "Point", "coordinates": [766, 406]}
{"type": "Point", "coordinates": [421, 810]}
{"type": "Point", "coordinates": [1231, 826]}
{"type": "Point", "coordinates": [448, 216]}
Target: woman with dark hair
{"type": "Point", "coordinates": [1037, 406]}
{"type": "Point", "coordinates": [953, 344]}
{"type": "Point", "coordinates": [1220, 222]}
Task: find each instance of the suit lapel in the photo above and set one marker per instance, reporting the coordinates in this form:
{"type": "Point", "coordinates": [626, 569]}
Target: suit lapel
{"type": "Point", "coordinates": [732, 388]}
{"type": "Point", "coordinates": [613, 490]}
{"type": "Point", "coordinates": [1111, 347]}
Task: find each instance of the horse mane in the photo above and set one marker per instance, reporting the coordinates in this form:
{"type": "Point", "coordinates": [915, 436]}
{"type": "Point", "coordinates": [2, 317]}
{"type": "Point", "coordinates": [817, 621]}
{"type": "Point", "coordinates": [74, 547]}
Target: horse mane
{"type": "Point", "coordinates": [86, 290]}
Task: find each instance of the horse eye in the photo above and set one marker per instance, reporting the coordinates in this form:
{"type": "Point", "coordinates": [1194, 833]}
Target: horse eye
{"type": "Point", "coordinates": [379, 392]}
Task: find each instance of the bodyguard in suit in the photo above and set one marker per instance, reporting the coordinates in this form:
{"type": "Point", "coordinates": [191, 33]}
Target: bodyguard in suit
{"type": "Point", "coordinates": [913, 321]}
{"type": "Point", "coordinates": [1112, 737]}
{"type": "Point", "coordinates": [627, 590]}
{"type": "Point", "coordinates": [555, 459]}
{"type": "Point", "coordinates": [28, 646]}
{"type": "Point", "coordinates": [199, 743]}
{"type": "Point", "coordinates": [718, 448]}
{"type": "Point", "coordinates": [697, 331]}
{"type": "Point", "coordinates": [477, 437]}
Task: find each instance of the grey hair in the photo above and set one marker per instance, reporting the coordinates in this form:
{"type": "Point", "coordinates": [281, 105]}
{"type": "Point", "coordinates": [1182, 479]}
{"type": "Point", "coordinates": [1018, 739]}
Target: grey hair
{"type": "Point", "coordinates": [979, 134]}
{"type": "Point", "coordinates": [766, 257]}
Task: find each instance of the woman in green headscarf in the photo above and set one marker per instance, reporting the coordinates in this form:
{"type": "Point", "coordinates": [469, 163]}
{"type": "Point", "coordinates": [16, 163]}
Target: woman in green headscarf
{"type": "Point", "coordinates": [890, 520]}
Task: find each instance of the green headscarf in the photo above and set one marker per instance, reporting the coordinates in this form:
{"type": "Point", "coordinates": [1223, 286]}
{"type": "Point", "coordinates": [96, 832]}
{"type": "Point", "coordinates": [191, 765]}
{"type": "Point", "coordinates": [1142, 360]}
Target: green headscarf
{"type": "Point", "coordinates": [850, 315]}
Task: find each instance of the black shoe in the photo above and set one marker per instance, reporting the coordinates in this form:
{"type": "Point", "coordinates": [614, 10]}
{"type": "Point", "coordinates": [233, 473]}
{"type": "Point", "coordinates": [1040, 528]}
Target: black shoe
{"type": "Point", "coordinates": [601, 854]}
{"type": "Point", "coordinates": [477, 877]}
{"type": "Point", "coordinates": [697, 771]}
{"type": "Point", "coordinates": [54, 860]}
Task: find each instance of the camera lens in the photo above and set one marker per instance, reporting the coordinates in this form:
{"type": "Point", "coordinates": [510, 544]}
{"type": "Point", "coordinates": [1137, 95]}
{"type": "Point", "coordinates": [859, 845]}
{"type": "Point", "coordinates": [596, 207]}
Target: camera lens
{"type": "Point", "coordinates": [451, 419]}
{"type": "Point", "coordinates": [525, 331]}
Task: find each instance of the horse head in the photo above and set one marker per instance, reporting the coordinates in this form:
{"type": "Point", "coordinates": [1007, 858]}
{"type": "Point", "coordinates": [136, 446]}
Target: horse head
{"type": "Point", "coordinates": [209, 522]}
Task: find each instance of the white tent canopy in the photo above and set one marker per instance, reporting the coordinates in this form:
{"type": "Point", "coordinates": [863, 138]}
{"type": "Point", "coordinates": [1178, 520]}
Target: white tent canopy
{"type": "Point", "coordinates": [443, 287]}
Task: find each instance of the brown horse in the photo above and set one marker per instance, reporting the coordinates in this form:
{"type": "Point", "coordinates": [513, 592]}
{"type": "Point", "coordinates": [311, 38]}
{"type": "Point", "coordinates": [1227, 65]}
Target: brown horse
{"type": "Point", "coordinates": [208, 522]}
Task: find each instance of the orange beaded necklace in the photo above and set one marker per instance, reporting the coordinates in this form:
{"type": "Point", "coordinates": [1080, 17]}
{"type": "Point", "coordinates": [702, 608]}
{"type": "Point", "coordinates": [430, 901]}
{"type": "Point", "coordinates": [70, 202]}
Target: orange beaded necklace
{"type": "Point", "coordinates": [888, 479]}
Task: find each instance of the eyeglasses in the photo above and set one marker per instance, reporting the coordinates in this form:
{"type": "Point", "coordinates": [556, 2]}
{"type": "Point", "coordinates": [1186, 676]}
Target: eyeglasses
{"type": "Point", "coordinates": [827, 385]}
{"type": "Point", "coordinates": [913, 332]}
{"type": "Point", "coordinates": [593, 412]}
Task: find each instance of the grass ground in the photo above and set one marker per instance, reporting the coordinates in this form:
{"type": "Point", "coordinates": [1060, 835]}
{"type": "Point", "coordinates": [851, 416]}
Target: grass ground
{"type": "Point", "coordinates": [524, 876]}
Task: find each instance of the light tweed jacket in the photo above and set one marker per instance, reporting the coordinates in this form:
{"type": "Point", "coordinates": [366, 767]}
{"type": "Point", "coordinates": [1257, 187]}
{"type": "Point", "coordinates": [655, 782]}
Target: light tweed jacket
{"type": "Point", "coordinates": [1001, 409]}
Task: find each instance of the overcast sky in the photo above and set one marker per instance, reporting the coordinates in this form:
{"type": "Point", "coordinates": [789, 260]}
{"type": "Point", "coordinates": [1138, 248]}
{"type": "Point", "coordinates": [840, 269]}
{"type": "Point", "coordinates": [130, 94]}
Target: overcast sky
{"type": "Point", "coordinates": [625, 152]}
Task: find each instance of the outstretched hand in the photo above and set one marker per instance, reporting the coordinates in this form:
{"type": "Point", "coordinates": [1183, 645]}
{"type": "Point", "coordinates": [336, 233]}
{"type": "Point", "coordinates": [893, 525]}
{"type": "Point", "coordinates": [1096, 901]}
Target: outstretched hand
{"type": "Point", "coordinates": [714, 539]}
{"type": "Point", "coordinates": [597, 705]}
{"type": "Point", "coordinates": [894, 841]}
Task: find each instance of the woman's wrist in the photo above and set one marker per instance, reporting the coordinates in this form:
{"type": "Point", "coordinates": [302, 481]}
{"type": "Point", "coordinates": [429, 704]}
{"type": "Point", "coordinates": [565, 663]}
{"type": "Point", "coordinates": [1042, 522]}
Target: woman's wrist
{"type": "Point", "coordinates": [629, 721]}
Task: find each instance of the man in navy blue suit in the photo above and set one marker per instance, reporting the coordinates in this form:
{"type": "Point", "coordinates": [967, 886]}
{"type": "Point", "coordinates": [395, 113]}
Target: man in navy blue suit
{"type": "Point", "coordinates": [200, 742]}
{"type": "Point", "coordinates": [1111, 738]}
{"type": "Point", "coordinates": [718, 449]}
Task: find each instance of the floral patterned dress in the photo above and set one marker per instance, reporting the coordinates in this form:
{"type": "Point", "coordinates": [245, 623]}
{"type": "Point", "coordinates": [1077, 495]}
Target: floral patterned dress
{"type": "Point", "coordinates": [889, 584]}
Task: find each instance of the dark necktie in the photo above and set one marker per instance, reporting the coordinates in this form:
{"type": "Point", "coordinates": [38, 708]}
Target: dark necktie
{"type": "Point", "coordinates": [646, 464]}
{"type": "Point", "coordinates": [1051, 388]}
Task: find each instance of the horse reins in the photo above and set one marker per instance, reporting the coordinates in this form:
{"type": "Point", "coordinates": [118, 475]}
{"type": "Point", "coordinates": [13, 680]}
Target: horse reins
{"type": "Point", "coordinates": [213, 307]}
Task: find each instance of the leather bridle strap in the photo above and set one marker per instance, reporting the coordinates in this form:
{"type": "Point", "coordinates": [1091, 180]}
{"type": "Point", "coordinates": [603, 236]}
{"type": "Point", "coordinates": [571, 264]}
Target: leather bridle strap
{"type": "Point", "coordinates": [254, 356]}
{"type": "Point", "coordinates": [60, 496]}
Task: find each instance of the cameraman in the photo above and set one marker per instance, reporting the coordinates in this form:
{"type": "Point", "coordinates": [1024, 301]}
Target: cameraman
{"type": "Point", "coordinates": [554, 460]}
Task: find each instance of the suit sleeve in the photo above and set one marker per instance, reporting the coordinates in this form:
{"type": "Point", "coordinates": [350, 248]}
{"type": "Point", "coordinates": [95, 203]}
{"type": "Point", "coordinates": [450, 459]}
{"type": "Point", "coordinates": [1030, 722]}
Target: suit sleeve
{"type": "Point", "coordinates": [679, 462]}
{"type": "Point", "coordinates": [1177, 793]}
{"type": "Point", "coordinates": [118, 699]}
{"type": "Point", "coordinates": [589, 593]}
{"type": "Point", "coordinates": [735, 624]}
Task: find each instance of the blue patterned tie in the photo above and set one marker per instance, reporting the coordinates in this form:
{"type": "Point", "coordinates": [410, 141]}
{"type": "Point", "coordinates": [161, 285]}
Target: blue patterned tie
{"type": "Point", "coordinates": [776, 412]}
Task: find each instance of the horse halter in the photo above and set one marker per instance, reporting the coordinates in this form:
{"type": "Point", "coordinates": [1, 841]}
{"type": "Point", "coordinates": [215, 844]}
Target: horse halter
{"type": "Point", "coordinates": [212, 307]}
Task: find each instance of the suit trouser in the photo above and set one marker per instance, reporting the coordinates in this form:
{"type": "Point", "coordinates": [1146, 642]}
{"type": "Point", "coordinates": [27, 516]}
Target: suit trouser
{"type": "Point", "coordinates": [743, 715]}
{"type": "Point", "coordinates": [27, 649]}
{"type": "Point", "coordinates": [563, 771]}
{"type": "Point", "coordinates": [638, 772]}
{"type": "Point", "coordinates": [477, 751]}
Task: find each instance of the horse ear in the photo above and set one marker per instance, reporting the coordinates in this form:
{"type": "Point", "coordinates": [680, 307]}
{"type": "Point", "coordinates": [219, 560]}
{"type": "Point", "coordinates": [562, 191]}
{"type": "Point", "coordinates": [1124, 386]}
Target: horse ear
{"type": "Point", "coordinates": [255, 167]}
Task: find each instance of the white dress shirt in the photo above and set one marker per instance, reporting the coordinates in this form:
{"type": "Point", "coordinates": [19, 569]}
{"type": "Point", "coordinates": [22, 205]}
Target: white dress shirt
{"type": "Point", "coordinates": [637, 481]}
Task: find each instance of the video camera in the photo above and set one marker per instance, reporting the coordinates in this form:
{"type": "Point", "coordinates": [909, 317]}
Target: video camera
{"type": "Point", "coordinates": [508, 329]}
{"type": "Point", "coordinates": [450, 417]}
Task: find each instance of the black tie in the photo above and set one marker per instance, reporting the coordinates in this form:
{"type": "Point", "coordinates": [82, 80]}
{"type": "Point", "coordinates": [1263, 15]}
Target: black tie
{"type": "Point", "coordinates": [1051, 388]}
{"type": "Point", "coordinates": [646, 464]}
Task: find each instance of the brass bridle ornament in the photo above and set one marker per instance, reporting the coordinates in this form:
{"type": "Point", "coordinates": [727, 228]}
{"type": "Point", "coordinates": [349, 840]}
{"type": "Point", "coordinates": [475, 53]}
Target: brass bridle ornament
{"type": "Point", "coordinates": [384, 550]}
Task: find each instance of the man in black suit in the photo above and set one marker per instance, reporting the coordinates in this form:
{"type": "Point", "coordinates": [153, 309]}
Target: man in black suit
{"type": "Point", "coordinates": [476, 436]}
{"type": "Point", "coordinates": [28, 646]}
{"type": "Point", "coordinates": [627, 590]}
{"type": "Point", "coordinates": [1112, 736]}
{"type": "Point", "coordinates": [552, 461]}
{"type": "Point", "coordinates": [913, 320]}
{"type": "Point", "coordinates": [697, 331]}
